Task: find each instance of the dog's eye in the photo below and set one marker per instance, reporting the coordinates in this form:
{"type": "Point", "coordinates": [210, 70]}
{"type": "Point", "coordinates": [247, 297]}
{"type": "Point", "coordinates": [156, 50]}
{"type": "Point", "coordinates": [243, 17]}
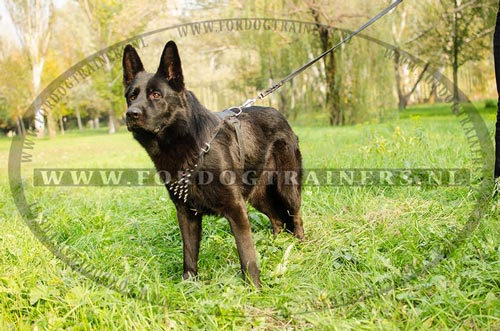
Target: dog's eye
{"type": "Point", "coordinates": [155, 95]}
{"type": "Point", "coordinates": [132, 97]}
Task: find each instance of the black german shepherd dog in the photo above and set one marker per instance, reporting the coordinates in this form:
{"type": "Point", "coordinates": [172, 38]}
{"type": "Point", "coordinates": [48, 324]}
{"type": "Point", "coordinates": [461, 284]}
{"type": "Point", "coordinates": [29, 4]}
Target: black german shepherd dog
{"type": "Point", "coordinates": [186, 140]}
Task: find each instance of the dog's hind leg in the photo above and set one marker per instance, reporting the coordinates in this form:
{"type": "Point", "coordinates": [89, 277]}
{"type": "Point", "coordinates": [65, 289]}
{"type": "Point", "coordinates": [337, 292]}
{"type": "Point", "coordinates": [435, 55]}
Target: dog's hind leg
{"type": "Point", "coordinates": [288, 185]}
{"type": "Point", "coordinates": [240, 226]}
{"type": "Point", "coordinates": [190, 225]}
{"type": "Point", "coordinates": [281, 213]}
{"type": "Point", "coordinates": [260, 200]}
{"type": "Point", "coordinates": [278, 191]}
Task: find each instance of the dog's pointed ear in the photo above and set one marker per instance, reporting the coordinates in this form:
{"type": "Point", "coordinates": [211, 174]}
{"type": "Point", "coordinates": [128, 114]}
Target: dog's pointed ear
{"type": "Point", "coordinates": [132, 65]}
{"type": "Point", "coordinates": [170, 67]}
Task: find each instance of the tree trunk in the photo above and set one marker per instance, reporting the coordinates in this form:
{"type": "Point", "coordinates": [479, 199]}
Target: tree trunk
{"type": "Point", "coordinates": [37, 68]}
{"type": "Point", "coordinates": [21, 130]}
{"type": "Point", "coordinates": [61, 125]}
{"type": "Point", "coordinates": [51, 124]}
{"type": "Point", "coordinates": [332, 92]}
{"type": "Point", "coordinates": [111, 123]}
{"type": "Point", "coordinates": [455, 60]}
{"type": "Point", "coordinates": [79, 119]}
{"type": "Point", "coordinates": [332, 102]}
{"type": "Point", "coordinates": [283, 106]}
{"type": "Point", "coordinates": [403, 97]}
{"type": "Point", "coordinates": [402, 100]}
{"type": "Point", "coordinates": [432, 94]}
{"type": "Point", "coordinates": [39, 123]}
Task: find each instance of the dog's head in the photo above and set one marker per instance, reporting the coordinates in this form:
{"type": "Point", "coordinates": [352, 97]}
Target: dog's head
{"type": "Point", "coordinates": [152, 99]}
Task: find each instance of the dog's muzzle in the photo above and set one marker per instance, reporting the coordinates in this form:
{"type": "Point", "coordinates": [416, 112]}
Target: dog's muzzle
{"type": "Point", "coordinates": [133, 115]}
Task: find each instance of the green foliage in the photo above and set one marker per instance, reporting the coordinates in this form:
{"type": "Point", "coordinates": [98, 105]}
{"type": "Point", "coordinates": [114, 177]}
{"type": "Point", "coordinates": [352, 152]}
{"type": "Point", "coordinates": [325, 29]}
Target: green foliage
{"type": "Point", "coordinates": [473, 19]}
{"type": "Point", "coordinates": [6, 120]}
{"type": "Point", "coordinates": [15, 87]}
{"type": "Point", "coordinates": [490, 103]}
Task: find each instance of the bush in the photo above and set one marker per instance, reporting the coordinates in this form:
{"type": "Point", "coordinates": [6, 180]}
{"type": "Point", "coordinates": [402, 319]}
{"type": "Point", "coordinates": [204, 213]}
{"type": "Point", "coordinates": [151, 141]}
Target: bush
{"type": "Point", "coordinates": [490, 103]}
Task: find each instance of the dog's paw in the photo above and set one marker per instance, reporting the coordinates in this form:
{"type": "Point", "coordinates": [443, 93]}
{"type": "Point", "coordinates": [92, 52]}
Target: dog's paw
{"type": "Point", "coordinates": [190, 275]}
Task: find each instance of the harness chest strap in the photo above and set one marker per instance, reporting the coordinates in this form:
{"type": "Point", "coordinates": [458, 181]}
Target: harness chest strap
{"type": "Point", "coordinates": [235, 122]}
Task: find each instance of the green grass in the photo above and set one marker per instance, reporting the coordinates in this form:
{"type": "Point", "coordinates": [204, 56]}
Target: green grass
{"type": "Point", "coordinates": [350, 273]}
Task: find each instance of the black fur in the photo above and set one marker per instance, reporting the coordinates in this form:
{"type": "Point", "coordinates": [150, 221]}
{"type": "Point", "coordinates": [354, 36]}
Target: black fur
{"type": "Point", "coordinates": [173, 126]}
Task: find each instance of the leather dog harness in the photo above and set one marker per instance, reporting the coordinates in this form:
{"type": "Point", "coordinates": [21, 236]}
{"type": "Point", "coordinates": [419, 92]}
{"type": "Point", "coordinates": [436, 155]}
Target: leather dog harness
{"type": "Point", "coordinates": [180, 187]}
{"type": "Point", "coordinates": [230, 117]}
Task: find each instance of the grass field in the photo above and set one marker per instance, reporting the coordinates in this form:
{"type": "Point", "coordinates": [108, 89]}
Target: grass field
{"type": "Point", "coordinates": [368, 261]}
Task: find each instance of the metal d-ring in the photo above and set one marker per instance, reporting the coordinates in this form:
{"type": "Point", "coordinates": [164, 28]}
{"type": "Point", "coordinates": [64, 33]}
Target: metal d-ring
{"type": "Point", "coordinates": [206, 149]}
{"type": "Point", "coordinates": [240, 110]}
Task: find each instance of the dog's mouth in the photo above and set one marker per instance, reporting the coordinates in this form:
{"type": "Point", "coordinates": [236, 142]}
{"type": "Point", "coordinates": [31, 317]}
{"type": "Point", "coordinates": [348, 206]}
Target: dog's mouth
{"type": "Point", "coordinates": [138, 126]}
{"type": "Point", "coordinates": [134, 122]}
{"type": "Point", "coordinates": [132, 126]}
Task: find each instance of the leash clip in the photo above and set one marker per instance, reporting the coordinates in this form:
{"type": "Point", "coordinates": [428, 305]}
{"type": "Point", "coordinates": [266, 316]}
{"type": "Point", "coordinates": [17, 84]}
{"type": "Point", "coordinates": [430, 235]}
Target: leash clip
{"type": "Point", "coordinates": [247, 104]}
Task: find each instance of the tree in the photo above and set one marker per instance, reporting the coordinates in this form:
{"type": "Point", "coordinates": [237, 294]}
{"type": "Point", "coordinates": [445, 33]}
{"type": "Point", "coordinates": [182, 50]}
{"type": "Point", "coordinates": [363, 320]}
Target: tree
{"type": "Point", "coordinates": [453, 31]}
{"type": "Point", "coordinates": [110, 21]}
{"type": "Point", "coordinates": [70, 44]}
{"type": "Point", "coordinates": [332, 91]}
{"type": "Point", "coordinates": [14, 97]}
{"type": "Point", "coordinates": [33, 21]}
{"type": "Point", "coordinates": [404, 95]}
{"type": "Point", "coordinates": [407, 79]}
{"type": "Point", "coordinates": [327, 14]}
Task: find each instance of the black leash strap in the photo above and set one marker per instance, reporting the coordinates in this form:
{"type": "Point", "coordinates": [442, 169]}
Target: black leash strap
{"type": "Point", "coordinates": [276, 86]}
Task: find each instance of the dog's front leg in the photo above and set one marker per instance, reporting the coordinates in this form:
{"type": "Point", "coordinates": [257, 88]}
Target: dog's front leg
{"type": "Point", "coordinates": [190, 225]}
{"type": "Point", "coordinates": [240, 225]}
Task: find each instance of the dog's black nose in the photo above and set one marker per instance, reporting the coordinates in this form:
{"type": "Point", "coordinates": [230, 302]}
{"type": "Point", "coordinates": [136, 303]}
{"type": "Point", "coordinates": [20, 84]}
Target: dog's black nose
{"type": "Point", "coordinates": [133, 113]}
